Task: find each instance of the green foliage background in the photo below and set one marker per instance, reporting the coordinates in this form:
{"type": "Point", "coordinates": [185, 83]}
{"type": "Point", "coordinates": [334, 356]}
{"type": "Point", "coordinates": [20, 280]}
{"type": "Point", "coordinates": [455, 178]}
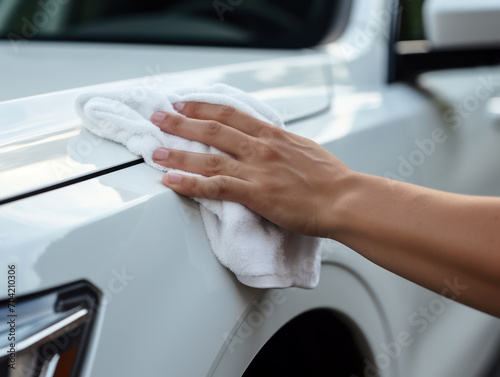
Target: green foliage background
{"type": "Point", "coordinates": [411, 20]}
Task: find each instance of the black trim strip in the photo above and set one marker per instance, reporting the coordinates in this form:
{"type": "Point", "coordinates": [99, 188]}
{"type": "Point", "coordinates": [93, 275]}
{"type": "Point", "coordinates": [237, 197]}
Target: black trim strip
{"type": "Point", "coordinates": [406, 66]}
{"type": "Point", "coordinates": [409, 66]}
{"type": "Point", "coordinates": [72, 181]}
{"type": "Point", "coordinates": [86, 177]}
{"type": "Point", "coordinates": [395, 26]}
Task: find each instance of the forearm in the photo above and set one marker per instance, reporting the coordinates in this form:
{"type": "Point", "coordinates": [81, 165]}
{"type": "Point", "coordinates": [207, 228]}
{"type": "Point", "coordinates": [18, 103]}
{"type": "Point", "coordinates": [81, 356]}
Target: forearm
{"type": "Point", "coordinates": [424, 235]}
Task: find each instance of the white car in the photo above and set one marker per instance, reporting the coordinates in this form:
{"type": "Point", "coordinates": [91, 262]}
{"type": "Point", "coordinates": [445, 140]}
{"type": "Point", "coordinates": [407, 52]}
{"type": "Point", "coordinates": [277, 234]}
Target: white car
{"type": "Point", "coordinates": [106, 272]}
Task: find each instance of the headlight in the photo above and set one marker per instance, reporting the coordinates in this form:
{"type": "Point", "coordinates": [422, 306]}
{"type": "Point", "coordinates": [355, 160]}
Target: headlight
{"type": "Point", "coordinates": [46, 334]}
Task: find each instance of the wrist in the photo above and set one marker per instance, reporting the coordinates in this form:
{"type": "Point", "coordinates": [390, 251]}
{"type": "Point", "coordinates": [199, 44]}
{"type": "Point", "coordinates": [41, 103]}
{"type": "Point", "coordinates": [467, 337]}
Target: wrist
{"type": "Point", "coordinates": [345, 194]}
{"type": "Point", "coordinates": [351, 200]}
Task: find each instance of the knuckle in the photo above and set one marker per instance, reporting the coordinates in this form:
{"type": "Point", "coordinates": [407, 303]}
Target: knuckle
{"type": "Point", "coordinates": [280, 132]}
{"type": "Point", "coordinates": [265, 133]}
{"type": "Point", "coordinates": [234, 168]}
{"type": "Point", "coordinates": [271, 132]}
{"type": "Point", "coordinates": [213, 163]}
{"type": "Point", "coordinates": [210, 190]}
{"type": "Point", "coordinates": [215, 187]}
{"type": "Point", "coordinates": [247, 150]}
{"type": "Point", "coordinates": [193, 109]}
{"type": "Point", "coordinates": [191, 186]}
{"type": "Point", "coordinates": [222, 183]}
{"type": "Point", "coordinates": [267, 151]}
{"type": "Point", "coordinates": [212, 129]}
{"type": "Point", "coordinates": [175, 122]}
{"type": "Point", "coordinates": [226, 111]}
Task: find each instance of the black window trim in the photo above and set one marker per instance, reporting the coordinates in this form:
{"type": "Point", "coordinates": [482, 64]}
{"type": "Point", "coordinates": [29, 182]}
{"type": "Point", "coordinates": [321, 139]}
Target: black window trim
{"type": "Point", "coordinates": [408, 59]}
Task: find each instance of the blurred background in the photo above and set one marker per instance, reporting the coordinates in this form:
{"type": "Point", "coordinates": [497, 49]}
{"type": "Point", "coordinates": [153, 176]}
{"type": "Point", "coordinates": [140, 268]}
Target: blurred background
{"type": "Point", "coordinates": [257, 23]}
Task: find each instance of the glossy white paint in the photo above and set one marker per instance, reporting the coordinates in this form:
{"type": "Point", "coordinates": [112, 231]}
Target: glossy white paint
{"type": "Point", "coordinates": [169, 305]}
{"type": "Point", "coordinates": [49, 128]}
{"type": "Point", "coordinates": [44, 67]}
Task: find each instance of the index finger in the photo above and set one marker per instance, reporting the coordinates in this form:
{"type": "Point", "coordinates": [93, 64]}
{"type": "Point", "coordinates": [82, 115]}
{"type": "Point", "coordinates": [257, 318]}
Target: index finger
{"type": "Point", "coordinates": [224, 114]}
{"type": "Point", "coordinates": [213, 133]}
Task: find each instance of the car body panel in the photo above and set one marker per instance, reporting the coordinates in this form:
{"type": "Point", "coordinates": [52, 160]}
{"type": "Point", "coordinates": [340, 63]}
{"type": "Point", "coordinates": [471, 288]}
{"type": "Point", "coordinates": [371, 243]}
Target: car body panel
{"type": "Point", "coordinates": [169, 307]}
{"type": "Point", "coordinates": [127, 209]}
{"type": "Point", "coordinates": [47, 127]}
{"type": "Point", "coordinates": [74, 65]}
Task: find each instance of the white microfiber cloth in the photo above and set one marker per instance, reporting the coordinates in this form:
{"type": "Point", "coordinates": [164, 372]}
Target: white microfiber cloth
{"type": "Point", "coordinates": [261, 254]}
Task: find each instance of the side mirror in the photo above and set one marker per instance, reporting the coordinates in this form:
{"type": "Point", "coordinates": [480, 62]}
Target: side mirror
{"type": "Point", "coordinates": [462, 23]}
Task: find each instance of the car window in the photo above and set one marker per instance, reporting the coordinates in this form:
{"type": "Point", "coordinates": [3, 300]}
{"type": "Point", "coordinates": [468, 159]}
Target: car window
{"type": "Point", "coordinates": [255, 23]}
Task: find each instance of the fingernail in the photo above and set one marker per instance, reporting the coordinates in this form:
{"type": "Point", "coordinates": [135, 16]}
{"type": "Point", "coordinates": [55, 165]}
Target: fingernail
{"type": "Point", "coordinates": [158, 117]}
{"type": "Point", "coordinates": [160, 154]}
{"type": "Point", "coordinates": [178, 106]}
{"type": "Point", "coordinates": [174, 178]}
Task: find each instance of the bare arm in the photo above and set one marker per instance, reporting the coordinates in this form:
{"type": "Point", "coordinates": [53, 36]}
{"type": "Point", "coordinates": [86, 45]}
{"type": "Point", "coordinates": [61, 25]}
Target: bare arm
{"type": "Point", "coordinates": [423, 235]}
{"type": "Point", "coordinates": [427, 236]}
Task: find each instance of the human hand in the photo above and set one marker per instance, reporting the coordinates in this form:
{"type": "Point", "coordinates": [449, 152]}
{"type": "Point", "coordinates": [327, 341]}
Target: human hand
{"type": "Point", "coordinates": [295, 183]}
{"type": "Point", "coordinates": [288, 179]}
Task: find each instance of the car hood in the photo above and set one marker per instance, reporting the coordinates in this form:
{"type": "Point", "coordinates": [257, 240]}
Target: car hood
{"type": "Point", "coordinates": [42, 145]}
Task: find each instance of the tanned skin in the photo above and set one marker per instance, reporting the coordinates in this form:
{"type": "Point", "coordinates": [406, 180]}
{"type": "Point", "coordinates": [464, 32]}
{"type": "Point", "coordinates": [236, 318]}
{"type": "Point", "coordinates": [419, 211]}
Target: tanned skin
{"type": "Point", "coordinates": [423, 235]}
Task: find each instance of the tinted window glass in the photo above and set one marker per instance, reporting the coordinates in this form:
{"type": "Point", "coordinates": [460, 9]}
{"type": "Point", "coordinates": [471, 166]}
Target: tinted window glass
{"type": "Point", "coordinates": [412, 26]}
{"type": "Point", "coordinates": [255, 23]}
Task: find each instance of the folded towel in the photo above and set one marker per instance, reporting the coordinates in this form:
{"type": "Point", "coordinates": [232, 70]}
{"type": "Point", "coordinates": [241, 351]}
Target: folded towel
{"type": "Point", "coordinates": [261, 254]}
